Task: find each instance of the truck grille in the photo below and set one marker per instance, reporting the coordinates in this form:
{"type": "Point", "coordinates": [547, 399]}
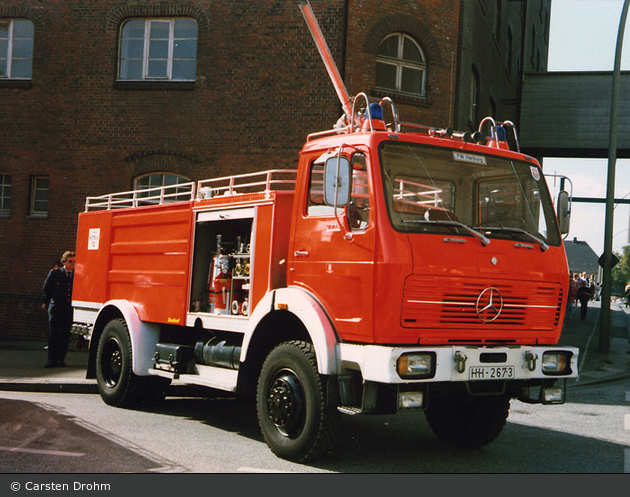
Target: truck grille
{"type": "Point", "coordinates": [430, 302]}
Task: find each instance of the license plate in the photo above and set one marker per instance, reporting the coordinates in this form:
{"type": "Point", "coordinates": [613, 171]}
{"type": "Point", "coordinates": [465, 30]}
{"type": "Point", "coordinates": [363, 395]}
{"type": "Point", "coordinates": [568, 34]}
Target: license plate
{"type": "Point", "coordinates": [491, 372]}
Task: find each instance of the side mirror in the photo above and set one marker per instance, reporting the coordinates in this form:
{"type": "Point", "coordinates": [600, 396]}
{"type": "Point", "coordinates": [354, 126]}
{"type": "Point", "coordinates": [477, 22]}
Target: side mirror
{"type": "Point", "coordinates": [564, 212]}
{"type": "Point", "coordinates": [337, 179]}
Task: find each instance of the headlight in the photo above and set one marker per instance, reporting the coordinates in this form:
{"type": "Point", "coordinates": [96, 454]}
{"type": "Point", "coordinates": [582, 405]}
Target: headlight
{"type": "Point", "coordinates": [416, 365]}
{"type": "Point", "coordinates": [556, 362]}
{"type": "Point", "coordinates": [552, 395]}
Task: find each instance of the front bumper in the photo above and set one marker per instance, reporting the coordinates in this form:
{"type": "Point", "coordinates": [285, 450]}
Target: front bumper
{"type": "Point", "coordinates": [378, 363]}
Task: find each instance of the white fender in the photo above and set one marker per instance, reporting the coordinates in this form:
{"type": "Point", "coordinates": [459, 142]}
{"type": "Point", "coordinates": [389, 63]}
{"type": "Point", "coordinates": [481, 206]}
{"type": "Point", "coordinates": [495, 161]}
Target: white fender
{"type": "Point", "coordinates": [144, 336]}
{"type": "Point", "coordinates": [308, 310]}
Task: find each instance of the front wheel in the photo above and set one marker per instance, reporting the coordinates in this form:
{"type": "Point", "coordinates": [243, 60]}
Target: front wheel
{"type": "Point", "coordinates": [294, 417]}
{"type": "Point", "coordinates": [465, 421]}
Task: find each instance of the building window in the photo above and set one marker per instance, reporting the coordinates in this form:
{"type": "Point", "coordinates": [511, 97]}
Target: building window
{"type": "Point", "coordinates": [533, 42]}
{"type": "Point", "coordinates": [510, 47]}
{"type": "Point", "coordinates": [401, 66]}
{"type": "Point", "coordinates": [5, 194]}
{"type": "Point", "coordinates": [40, 187]}
{"type": "Point", "coordinates": [16, 49]}
{"type": "Point", "coordinates": [473, 113]}
{"type": "Point", "coordinates": [154, 181]}
{"type": "Point", "coordinates": [158, 49]}
{"type": "Point", "coordinates": [546, 25]}
{"type": "Point", "coordinates": [497, 20]}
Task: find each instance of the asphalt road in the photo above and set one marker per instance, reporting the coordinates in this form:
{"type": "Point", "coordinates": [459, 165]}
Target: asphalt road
{"type": "Point", "coordinates": [78, 433]}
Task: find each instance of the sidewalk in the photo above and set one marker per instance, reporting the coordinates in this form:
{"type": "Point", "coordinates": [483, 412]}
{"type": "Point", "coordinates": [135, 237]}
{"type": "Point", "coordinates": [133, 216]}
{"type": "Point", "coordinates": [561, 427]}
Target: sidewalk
{"type": "Point", "coordinates": [596, 366]}
{"type": "Point", "coordinates": [22, 369]}
{"type": "Point", "coordinates": [22, 363]}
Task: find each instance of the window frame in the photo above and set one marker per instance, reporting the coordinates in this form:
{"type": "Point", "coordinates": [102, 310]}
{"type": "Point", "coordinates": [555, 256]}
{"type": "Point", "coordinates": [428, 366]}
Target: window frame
{"type": "Point", "coordinates": [146, 56]}
{"type": "Point", "coordinates": [180, 180]}
{"type": "Point", "coordinates": [475, 94]}
{"type": "Point", "coordinates": [9, 55]}
{"type": "Point", "coordinates": [498, 16]}
{"type": "Point", "coordinates": [399, 63]}
{"type": "Point", "coordinates": [509, 57]}
{"type": "Point", "coordinates": [360, 193]}
{"type": "Point", "coordinates": [33, 200]}
{"type": "Point", "coordinates": [5, 194]}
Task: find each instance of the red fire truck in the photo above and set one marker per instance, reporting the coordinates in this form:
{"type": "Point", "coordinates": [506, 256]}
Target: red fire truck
{"type": "Point", "coordinates": [399, 267]}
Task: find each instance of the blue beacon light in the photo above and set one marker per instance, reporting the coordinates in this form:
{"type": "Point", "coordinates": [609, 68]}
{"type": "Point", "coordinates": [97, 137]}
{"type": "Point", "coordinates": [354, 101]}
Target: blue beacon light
{"type": "Point", "coordinates": [376, 111]}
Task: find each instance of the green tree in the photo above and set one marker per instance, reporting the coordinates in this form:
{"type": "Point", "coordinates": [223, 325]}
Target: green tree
{"type": "Point", "coordinates": [621, 272]}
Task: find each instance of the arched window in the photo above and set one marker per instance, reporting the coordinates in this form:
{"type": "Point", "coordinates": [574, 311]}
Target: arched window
{"type": "Point", "coordinates": [157, 180]}
{"type": "Point", "coordinates": [401, 65]}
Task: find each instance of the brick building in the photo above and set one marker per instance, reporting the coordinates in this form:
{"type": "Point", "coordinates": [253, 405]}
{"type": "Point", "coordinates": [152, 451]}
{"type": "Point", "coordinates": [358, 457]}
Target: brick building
{"type": "Point", "coordinates": [108, 95]}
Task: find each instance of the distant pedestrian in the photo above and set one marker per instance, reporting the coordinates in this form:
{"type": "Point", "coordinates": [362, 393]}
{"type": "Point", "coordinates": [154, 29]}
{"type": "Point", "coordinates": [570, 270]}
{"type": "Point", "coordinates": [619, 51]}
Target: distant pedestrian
{"type": "Point", "coordinates": [574, 284]}
{"type": "Point", "coordinates": [58, 294]}
{"type": "Point", "coordinates": [584, 295]}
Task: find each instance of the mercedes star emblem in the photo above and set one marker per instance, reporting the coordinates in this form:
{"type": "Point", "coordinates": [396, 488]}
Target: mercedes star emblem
{"type": "Point", "coordinates": [489, 304]}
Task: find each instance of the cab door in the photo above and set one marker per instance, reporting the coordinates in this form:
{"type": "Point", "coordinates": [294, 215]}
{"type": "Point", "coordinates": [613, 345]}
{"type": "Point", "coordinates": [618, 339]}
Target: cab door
{"type": "Point", "coordinates": [333, 253]}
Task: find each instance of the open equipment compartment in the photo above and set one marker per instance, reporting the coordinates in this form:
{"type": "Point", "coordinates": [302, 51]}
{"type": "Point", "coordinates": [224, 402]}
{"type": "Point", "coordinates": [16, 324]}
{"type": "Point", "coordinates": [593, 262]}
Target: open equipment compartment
{"type": "Point", "coordinates": [221, 275]}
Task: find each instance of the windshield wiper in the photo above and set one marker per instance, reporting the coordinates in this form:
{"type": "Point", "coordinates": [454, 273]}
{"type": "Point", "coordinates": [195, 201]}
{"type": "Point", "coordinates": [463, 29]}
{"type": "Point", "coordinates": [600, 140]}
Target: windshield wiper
{"type": "Point", "coordinates": [456, 224]}
{"type": "Point", "coordinates": [541, 243]}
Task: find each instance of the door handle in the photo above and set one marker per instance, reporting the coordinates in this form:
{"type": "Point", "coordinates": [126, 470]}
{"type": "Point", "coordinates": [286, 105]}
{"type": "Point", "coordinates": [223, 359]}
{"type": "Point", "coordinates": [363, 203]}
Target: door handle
{"type": "Point", "coordinates": [300, 253]}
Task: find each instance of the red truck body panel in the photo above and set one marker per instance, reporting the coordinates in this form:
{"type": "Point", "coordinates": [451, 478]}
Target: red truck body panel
{"type": "Point", "coordinates": [144, 254]}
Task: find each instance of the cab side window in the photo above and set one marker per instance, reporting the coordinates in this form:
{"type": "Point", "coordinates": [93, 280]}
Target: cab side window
{"type": "Point", "coordinates": [359, 207]}
{"type": "Point", "coordinates": [316, 205]}
{"type": "Point", "coordinates": [358, 210]}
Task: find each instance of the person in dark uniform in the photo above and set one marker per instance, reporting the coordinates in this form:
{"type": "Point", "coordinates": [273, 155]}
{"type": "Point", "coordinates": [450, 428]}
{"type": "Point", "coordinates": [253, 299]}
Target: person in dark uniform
{"type": "Point", "coordinates": [585, 293]}
{"type": "Point", "coordinates": [58, 298]}
{"type": "Point", "coordinates": [56, 265]}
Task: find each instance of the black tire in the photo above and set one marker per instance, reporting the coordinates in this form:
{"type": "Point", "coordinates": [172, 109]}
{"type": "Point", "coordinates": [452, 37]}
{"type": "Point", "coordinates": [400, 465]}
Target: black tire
{"type": "Point", "coordinates": [117, 383]}
{"type": "Point", "coordinates": [469, 422]}
{"type": "Point", "coordinates": [293, 415]}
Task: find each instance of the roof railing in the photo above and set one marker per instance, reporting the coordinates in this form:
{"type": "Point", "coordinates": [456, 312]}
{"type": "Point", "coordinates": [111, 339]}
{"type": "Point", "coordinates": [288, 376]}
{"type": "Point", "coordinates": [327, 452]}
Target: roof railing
{"type": "Point", "coordinates": [259, 182]}
{"type": "Point", "coordinates": [143, 196]}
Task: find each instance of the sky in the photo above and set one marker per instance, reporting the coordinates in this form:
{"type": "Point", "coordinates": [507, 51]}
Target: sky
{"type": "Point", "coordinates": [583, 37]}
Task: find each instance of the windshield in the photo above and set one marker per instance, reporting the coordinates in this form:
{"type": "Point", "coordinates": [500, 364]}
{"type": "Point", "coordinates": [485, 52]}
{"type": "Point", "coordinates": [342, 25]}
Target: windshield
{"type": "Point", "coordinates": [432, 190]}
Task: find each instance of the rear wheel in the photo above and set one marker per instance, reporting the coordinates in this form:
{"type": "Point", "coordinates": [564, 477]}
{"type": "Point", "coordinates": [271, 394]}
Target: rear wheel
{"type": "Point", "coordinates": [117, 384]}
{"type": "Point", "coordinates": [294, 417]}
{"type": "Point", "coordinates": [467, 421]}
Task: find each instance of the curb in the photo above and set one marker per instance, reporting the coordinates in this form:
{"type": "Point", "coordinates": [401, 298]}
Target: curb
{"type": "Point", "coordinates": [601, 381]}
{"type": "Point", "coordinates": [20, 385]}
{"type": "Point", "coordinates": [90, 387]}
